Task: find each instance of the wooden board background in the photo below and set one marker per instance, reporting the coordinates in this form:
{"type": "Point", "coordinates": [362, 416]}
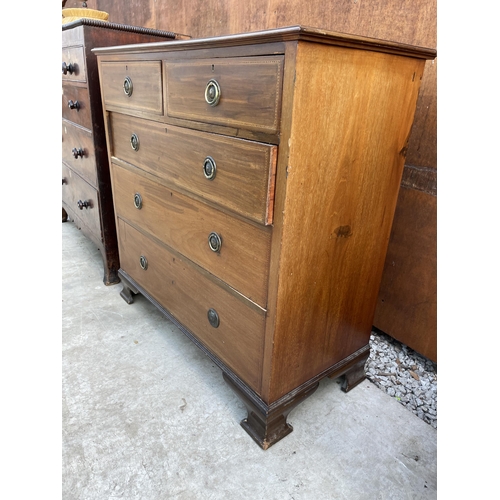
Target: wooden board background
{"type": "Point", "coordinates": [407, 302]}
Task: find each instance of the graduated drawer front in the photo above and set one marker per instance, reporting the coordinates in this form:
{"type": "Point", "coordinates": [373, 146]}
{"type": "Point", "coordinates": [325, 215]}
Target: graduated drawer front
{"type": "Point", "coordinates": [146, 79]}
{"type": "Point", "coordinates": [75, 189]}
{"type": "Point", "coordinates": [81, 114]}
{"type": "Point", "coordinates": [188, 295]}
{"type": "Point", "coordinates": [250, 91]}
{"type": "Point", "coordinates": [74, 137]}
{"type": "Point", "coordinates": [185, 225]}
{"type": "Point", "coordinates": [76, 57]}
{"type": "Point", "coordinates": [244, 174]}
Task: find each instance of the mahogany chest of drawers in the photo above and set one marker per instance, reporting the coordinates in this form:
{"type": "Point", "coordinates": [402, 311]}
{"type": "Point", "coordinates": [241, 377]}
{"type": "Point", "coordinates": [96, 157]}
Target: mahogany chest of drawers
{"type": "Point", "coordinates": [255, 178]}
{"type": "Point", "coordinates": [86, 189]}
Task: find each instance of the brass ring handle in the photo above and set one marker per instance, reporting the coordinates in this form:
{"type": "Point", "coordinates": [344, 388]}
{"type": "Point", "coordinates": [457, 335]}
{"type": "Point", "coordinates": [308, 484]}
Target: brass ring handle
{"type": "Point", "coordinates": [128, 87]}
{"type": "Point", "coordinates": [213, 318]}
{"type": "Point", "coordinates": [143, 262]}
{"type": "Point", "coordinates": [212, 92]}
{"type": "Point", "coordinates": [73, 105]}
{"type": "Point", "coordinates": [83, 204]}
{"type": "Point", "coordinates": [214, 242]}
{"type": "Point", "coordinates": [209, 168]}
{"type": "Point", "coordinates": [68, 68]}
{"type": "Point", "coordinates": [134, 142]}
{"type": "Point", "coordinates": [78, 152]}
{"type": "Point", "coordinates": [137, 201]}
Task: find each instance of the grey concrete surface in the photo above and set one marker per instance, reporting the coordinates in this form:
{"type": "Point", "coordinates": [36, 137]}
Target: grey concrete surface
{"type": "Point", "coordinates": [146, 415]}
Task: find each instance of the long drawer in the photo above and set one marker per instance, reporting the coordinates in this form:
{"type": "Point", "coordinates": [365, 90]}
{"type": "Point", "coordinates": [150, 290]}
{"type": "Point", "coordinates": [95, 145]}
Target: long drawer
{"type": "Point", "coordinates": [239, 92]}
{"type": "Point", "coordinates": [234, 173]}
{"type": "Point", "coordinates": [233, 250]}
{"type": "Point", "coordinates": [78, 151]}
{"type": "Point", "coordinates": [227, 326]}
{"type": "Point", "coordinates": [76, 105]}
{"type": "Point", "coordinates": [82, 199]}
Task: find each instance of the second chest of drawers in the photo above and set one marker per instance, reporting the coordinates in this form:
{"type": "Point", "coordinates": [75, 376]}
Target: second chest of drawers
{"type": "Point", "coordinates": [86, 189]}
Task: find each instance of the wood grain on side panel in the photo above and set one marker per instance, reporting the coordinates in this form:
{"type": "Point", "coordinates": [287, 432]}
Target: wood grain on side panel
{"type": "Point", "coordinates": [327, 296]}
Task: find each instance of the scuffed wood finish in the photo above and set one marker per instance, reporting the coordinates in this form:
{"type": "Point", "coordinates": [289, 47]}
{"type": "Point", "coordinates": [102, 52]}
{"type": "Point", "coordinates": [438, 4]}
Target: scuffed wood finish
{"type": "Point", "coordinates": [172, 280]}
{"type": "Point", "coordinates": [185, 224]}
{"type": "Point", "coordinates": [245, 170]}
{"type": "Point", "coordinates": [346, 110]}
{"type": "Point", "coordinates": [411, 254]}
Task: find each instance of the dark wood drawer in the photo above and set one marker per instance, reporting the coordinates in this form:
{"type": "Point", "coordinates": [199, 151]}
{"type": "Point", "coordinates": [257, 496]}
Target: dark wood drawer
{"type": "Point", "coordinates": [81, 199]}
{"type": "Point", "coordinates": [73, 63]}
{"type": "Point", "coordinates": [188, 295]}
{"type": "Point", "coordinates": [78, 98]}
{"type": "Point", "coordinates": [144, 85]}
{"type": "Point", "coordinates": [250, 91]}
{"type": "Point", "coordinates": [78, 141]}
{"type": "Point", "coordinates": [186, 224]}
{"type": "Point", "coordinates": [244, 170]}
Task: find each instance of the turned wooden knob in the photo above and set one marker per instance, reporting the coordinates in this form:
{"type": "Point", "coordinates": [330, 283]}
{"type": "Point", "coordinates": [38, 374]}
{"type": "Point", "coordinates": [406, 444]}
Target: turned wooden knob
{"type": "Point", "coordinates": [73, 105]}
{"type": "Point", "coordinates": [83, 204]}
{"type": "Point", "coordinates": [77, 152]}
{"type": "Point", "coordinates": [68, 68]}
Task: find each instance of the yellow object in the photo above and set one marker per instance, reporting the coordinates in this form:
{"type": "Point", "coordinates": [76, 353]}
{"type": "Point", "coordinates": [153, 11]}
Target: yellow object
{"type": "Point", "coordinates": [74, 14]}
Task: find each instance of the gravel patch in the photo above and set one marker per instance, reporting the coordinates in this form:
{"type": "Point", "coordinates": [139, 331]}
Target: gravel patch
{"type": "Point", "coordinates": [405, 375]}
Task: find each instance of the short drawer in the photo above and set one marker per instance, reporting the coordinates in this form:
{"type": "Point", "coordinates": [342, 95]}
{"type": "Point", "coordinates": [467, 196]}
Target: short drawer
{"type": "Point", "coordinates": [132, 86]}
{"type": "Point", "coordinates": [234, 173]}
{"type": "Point", "coordinates": [233, 250]}
{"type": "Point", "coordinates": [74, 68]}
{"type": "Point", "coordinates": [78, 151]}
{"type": "Point", "coordinates": [76, 105]}
{"type": "Point", "coordinates": [81, 199]}
{"type": "Point", "coordinates": [239, 92]}
{"type": "Point", "coordinates": [236, 336]}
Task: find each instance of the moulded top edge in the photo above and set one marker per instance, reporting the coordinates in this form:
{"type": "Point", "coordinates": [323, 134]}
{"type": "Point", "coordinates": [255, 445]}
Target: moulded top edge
{"type": "Point", "coordinates": [290, 33]}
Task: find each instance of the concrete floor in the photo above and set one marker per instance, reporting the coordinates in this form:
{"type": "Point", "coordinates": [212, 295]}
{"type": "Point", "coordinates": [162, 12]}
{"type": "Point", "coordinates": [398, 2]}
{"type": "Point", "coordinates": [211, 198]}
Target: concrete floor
{"type": "Point", "coordinates": [147, 416]}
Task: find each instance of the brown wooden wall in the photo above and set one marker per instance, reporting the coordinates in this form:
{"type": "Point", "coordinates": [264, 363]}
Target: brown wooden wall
{"type": "Point", "coordinates": [407, 300]}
